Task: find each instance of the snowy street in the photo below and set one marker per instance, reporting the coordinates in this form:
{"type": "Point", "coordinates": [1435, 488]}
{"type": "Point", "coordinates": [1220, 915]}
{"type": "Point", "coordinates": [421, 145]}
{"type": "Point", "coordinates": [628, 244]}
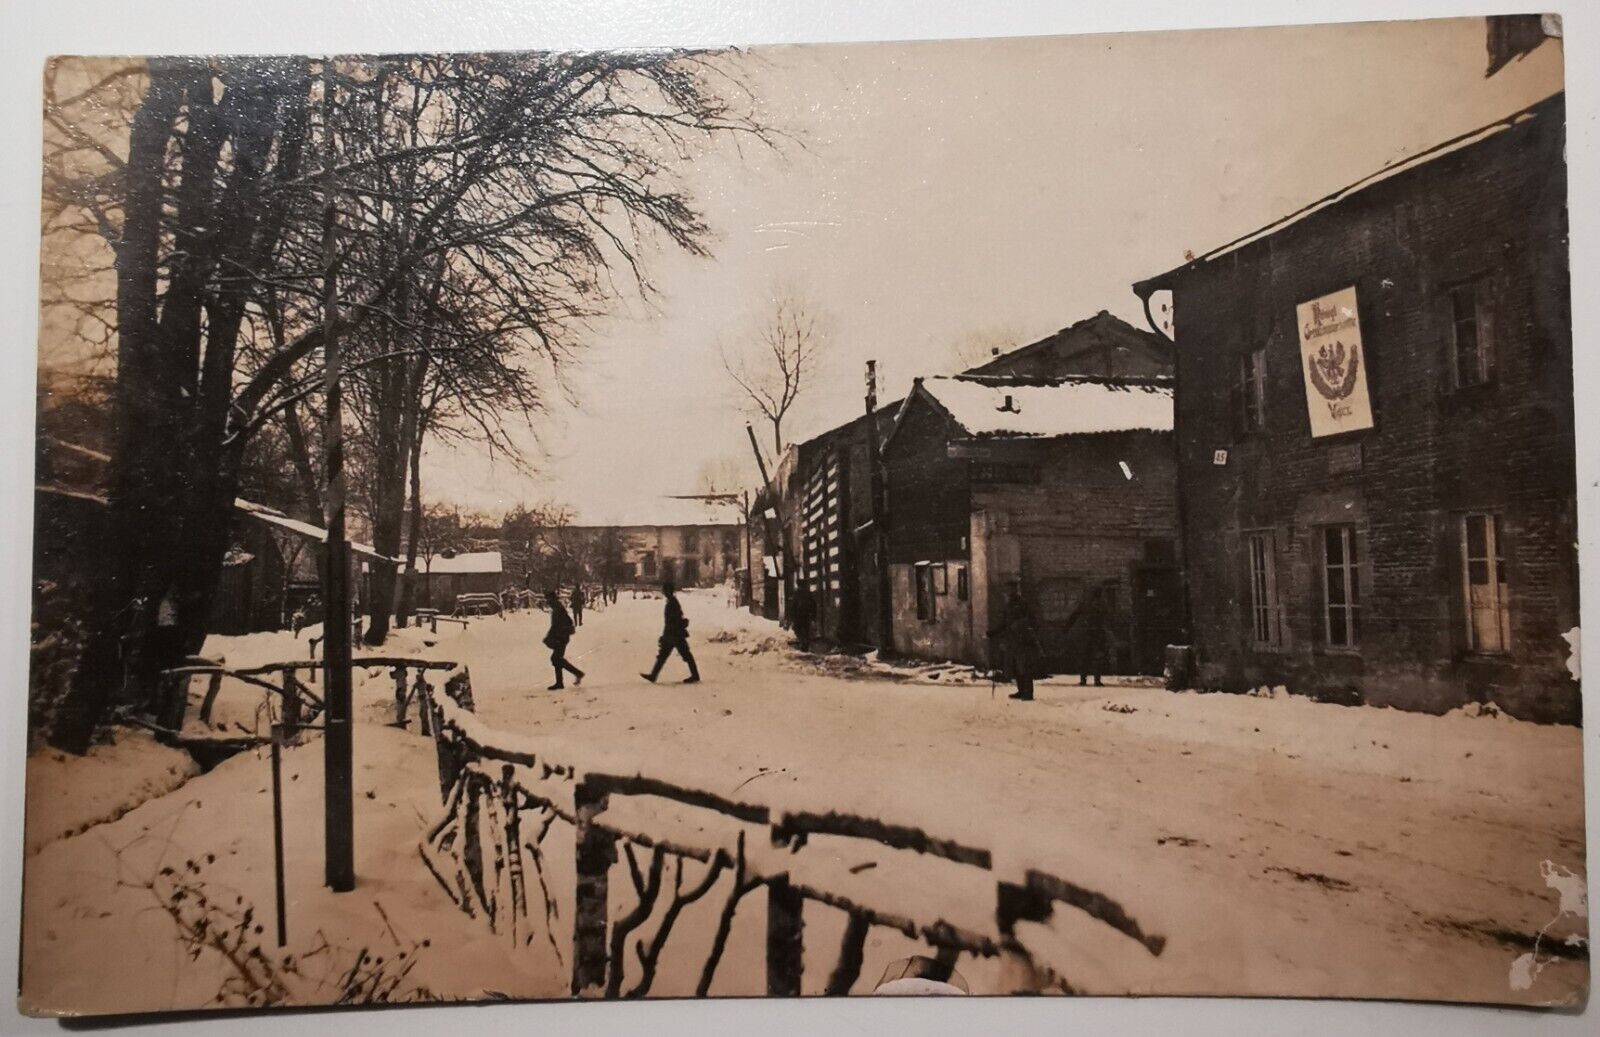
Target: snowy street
{"type": "Point", "coordinates": [1333, 844]}
{"type": "Point", "coordinates": [1427, 842]}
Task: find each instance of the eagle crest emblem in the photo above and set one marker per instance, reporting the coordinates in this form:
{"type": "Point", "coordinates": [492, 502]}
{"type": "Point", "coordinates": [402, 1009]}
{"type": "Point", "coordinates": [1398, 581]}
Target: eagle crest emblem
{"type": "Point", "coordinates": [1334, 369]}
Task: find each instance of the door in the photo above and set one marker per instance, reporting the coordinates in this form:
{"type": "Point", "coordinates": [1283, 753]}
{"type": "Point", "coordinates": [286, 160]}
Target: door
{"type": "Point", "coordinates": [1157, 615]}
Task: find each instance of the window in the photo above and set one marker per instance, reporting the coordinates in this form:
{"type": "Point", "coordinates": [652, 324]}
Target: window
{"type": "Point", "coordinates": [1341, 592]}
{"type": "Point", "coordinates": [648, 561]}
{"type": "Point", "coordinates": [1263, 590]}
{"type": "Point", "coordinates": [1251, 391]}
{"type": "Point", "coordinates": [691, 540]}
{"type": "Point", "coordinates": [1469, 324]}
{"type": "Point", "coordinates": [926, 606]}
{"type": "Point", "coordinates": [961, 583]}
{"type": "Point", "coordinates": [1484, 584]}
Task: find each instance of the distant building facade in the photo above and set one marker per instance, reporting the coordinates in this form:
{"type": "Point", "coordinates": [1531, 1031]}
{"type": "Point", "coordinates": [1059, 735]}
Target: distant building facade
{"type": "Point", "coordinates": [1054, 488]}
{"type": "Point", "coordinates": [1376, 436]}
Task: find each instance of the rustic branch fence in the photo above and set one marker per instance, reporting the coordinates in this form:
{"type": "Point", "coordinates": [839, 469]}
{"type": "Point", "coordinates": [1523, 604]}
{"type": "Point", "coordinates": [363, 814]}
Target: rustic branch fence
{"type": "Point", "coordinates": [502, 799]}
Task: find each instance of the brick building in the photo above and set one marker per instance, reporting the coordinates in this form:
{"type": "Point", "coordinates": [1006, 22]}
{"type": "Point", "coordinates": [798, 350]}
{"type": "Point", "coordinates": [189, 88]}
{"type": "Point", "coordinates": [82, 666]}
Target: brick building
{"type": "Point", "coordinates": [1375, 428]}
{"type": "Point", "coordinates": [828, 508]}
{"type": "Point", "coordinates": [1056, 486]}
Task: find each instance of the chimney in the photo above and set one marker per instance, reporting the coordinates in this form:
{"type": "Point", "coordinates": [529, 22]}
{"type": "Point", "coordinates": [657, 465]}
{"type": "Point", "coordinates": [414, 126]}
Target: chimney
{"type": "Point", "coordinates": [1010, 406]}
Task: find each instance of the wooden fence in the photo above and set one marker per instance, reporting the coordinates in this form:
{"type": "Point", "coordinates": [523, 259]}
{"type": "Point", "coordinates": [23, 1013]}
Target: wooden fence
{"type": "Point", "coordinates": [502, 798]}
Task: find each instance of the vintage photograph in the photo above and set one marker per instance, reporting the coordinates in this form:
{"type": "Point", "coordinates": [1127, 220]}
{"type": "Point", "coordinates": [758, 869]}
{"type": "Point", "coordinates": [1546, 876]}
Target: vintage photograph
{"type": "Point", "coordinates": [1077, 515]}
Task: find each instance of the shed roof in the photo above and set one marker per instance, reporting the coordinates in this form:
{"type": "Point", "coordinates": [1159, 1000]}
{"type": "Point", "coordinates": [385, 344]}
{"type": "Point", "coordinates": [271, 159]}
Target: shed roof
{"type": "Point", "coordinates": [274, 517]}
{"type": "Point", "coordinates": [1015, 408]}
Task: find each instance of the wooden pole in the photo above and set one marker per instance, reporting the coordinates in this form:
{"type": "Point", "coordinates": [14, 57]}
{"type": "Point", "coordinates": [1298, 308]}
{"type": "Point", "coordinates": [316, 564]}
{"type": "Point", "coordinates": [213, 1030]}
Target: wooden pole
{"type": "Point", "coordinates": [277, 832]}
{"type": "Point", "coordinates": [880, 517]}
{"type": "Point", "coordinates": [338, 803]}
{"type": "Point", "coordinates": [785, 938]}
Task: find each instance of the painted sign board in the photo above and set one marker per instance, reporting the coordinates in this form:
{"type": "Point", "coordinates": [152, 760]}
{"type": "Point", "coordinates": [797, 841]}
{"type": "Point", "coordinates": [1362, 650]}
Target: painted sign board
{"type": "Point", "coordinates": [1334, 364]}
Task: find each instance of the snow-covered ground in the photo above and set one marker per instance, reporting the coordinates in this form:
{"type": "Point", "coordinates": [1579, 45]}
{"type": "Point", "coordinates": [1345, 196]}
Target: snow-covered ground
{"type": "Point", "coordinates": [1283, 847]}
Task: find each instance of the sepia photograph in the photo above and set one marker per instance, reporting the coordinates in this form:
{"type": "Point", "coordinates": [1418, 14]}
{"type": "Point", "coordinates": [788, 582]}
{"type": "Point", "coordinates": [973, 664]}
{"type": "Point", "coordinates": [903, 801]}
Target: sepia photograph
{"type": "Point", "coordinates": [1082, 515]}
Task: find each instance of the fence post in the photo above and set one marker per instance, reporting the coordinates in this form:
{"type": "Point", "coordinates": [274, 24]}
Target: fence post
{"type": "Point", "coordinates": [596, 852]}
{"type": "Point", "coordinates": [399, 675]}
{"type": "Point", "coordinates": [1013, 904]}
{"type": "Point", "coordinates": [785, 938]}
{"type": "Point", "coordinates": [291, 705]}
{"type": "Point", "coordinates": [210, 701]}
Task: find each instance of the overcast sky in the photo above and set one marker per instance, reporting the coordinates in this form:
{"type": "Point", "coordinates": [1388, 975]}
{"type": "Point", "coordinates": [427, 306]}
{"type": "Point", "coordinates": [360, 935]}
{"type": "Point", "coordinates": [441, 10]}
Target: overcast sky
{"type": "Point", "coordinates": [948, 188]}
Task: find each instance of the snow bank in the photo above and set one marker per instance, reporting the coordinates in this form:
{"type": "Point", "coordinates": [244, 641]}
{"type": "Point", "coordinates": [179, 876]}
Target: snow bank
{"type": "Point", "coordinates": [67, 794]}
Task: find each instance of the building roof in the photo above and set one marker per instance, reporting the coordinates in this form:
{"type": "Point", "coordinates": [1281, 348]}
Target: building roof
{"type": "Point", "coordinates": [1058, 349]}
{"type": "Point", "coordinates": [468, 562]}
{"type": "Point", "coordinates": [1552, 107]}
{"type": "Point", "coordinates": [1035, 408]}
{"type": "Point", "coordinates": [274, 517]}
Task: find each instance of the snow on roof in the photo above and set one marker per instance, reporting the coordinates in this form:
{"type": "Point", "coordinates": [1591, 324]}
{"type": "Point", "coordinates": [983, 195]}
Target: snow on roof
{"type": "Point", "coordinates": [274, 517]}
{"type": "Point", "coordinates": [1048, 408]}
{"type": "Point", "coordinates": [466, 562]}
{"type": "Point", "coordinates": [669, 511]}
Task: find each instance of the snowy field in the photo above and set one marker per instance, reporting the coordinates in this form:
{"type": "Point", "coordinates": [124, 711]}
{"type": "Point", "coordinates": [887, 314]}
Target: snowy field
{"type": "Point", "coordinates": [1282, 847]}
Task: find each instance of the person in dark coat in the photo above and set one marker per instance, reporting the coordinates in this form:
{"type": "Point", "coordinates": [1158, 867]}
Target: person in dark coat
{"type": "Point", "coordinates": [578, 602]}
{"type": "Point", "coordinates": [556, 640]}
{"type": "Point", "coordinates": [1020, 641]}
{"type": "Point", "coordinates": [802, 614]}
{"type": "Point", "coordinates": [1093, 618]}
{"type": "Point", "coordinates": [674, 638]}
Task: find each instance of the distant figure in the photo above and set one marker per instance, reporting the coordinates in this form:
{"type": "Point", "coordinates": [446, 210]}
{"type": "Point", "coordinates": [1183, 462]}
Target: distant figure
{"type": "Point", "coordinates": [556, 640]}
{"type": "Point", "coordinates": [674, 637]}
{"type": "Point", "coordinates": [1020, 641]}
{"type": "Point", "coordinates": [577, 604]}
{"type": "Point", "coordinates": [803, 614]}
{"type": "Point", "coordinates": [1093, 615]}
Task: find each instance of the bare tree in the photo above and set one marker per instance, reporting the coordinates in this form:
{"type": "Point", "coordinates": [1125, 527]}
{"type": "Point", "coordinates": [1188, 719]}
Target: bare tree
{"type": "Point", "coordinates": [777, 364]}
{"type": "Point", "coordinates": [538, 181]}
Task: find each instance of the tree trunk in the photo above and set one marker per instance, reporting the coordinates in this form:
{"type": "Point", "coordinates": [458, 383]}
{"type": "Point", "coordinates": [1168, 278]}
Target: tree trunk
{"type": "Point", "coordinates": [408, 585]}
{"type": "Point", "coordinates": [134, 492]}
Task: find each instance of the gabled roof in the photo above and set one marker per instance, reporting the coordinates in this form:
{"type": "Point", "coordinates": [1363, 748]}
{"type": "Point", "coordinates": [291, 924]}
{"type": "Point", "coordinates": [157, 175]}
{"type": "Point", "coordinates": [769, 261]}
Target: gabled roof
{"type": "Point", "coordinates": [1102, 329]}
{"type": "Point", "coordinates": [1035, 408]}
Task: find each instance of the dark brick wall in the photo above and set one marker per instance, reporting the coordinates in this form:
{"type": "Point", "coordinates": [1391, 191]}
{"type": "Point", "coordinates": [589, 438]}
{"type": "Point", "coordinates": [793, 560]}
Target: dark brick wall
{"type": "Point", "coordinates": [1086, 523]}
{"type": "Point", "coordinates": [929, 500]}
{"type": "Point", "coordinates": [1494, 210]}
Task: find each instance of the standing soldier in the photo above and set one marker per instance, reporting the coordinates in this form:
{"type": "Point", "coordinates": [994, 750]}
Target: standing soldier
{"type": "Point", "coordinates": [802, 616]}
{"type": "Point", "coordinates": [674, 637]}
{"type": "Point", "coordinates": [1020, 642]}
{"type": "Point", "coordinates": [1091, 613]}
{"type": "Point", "coordinates": [577, 604]}
{"type": "Point", "coordinates": [556, 640]}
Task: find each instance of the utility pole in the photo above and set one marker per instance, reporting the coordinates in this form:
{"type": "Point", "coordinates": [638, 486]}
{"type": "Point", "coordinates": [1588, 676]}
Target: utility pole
{"type": "Point", "coordinates": [338, 769]}
{"type": "Point", "coordinates": [777, 507]}
{"type": "Point", "coordinates": [880, 517]}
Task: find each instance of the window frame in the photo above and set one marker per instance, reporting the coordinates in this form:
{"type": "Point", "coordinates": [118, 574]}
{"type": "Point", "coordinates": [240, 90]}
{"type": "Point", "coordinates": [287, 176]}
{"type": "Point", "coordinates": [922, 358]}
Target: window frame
{"type": "Point", "coordinates": [1349, 569]}
{"type": "Point", "coordinates": [1251, 381]}
{"type": "Point", "coordinates": [1499, 586]}
{"type": "Point", "coordinates": [1482, 323]}
{"type": "Point", "coordinates": [1261, 558]}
